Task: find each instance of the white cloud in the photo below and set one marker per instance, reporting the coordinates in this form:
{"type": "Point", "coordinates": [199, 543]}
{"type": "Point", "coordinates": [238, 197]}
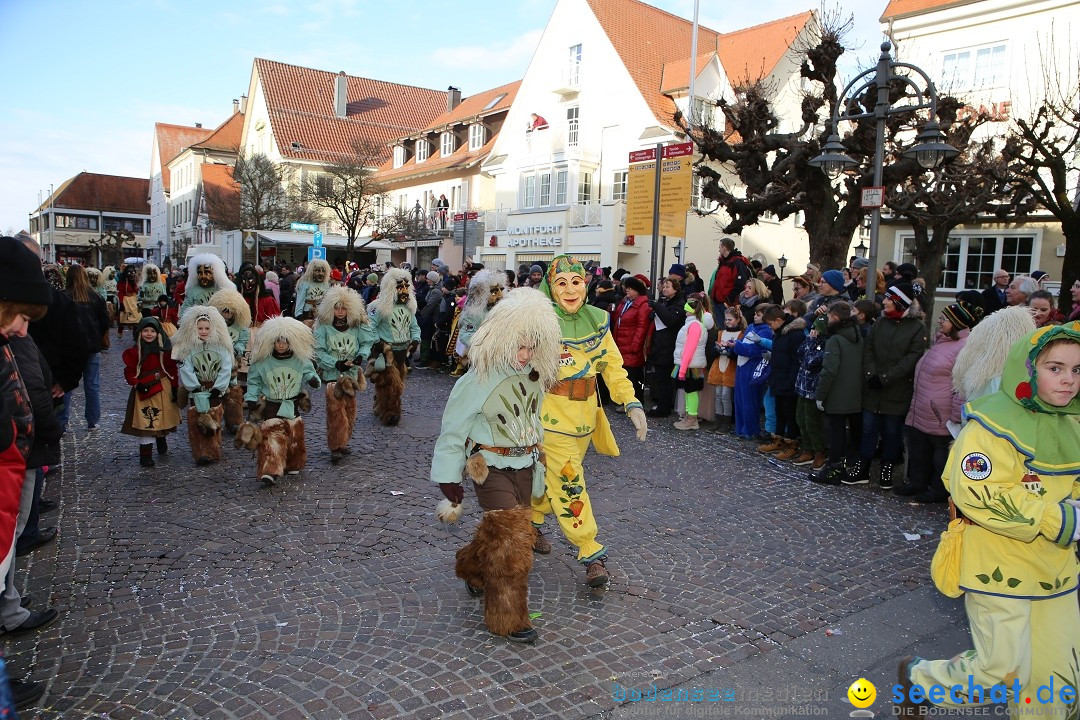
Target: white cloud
{"type": "Point", "coordinates": [514, 53]}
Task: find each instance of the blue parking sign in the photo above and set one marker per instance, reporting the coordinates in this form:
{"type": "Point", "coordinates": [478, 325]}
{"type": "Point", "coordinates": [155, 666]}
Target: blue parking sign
{"type": "Point", "coordinates": [316, 253]}
{"type": "Point", "coordinates": [317, 240]}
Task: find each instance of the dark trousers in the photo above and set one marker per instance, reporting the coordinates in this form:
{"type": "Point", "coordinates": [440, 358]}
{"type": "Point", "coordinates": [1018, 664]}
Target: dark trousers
{"type": "Point", "coordinates": [786, 427]}
{"type": "Point", "coordinates": [845, 432]}
{"type": "Point", "coordinates": [926, 459]}
{"type": "Point", "coordinates": [891, 429]}
{"type": "Point", "coordinates": [31, 530]}
{"type": "Point", "coordinates": [663, 388]}
{"type": "Point", "coordinates": [636, 376]}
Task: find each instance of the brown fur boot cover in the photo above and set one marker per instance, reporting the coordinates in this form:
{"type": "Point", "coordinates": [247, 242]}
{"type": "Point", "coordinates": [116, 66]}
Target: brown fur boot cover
{"type": "Point", "coordinates": [205, 447]}
{"type": "Point", "coordinates": [273, 449]}
{"type": "Point", "coordinates": [248, 436]}
{"type": "Point", "coordinates": [504, 541]}
{"type": "Point", "coordinates": [389, 387]}
{"type": "Point", "coordinates": [340, 417]}
{"type": "Point", "coordinates": [297, 456]}
{"type": "Point", "coordinates": [234, 408]}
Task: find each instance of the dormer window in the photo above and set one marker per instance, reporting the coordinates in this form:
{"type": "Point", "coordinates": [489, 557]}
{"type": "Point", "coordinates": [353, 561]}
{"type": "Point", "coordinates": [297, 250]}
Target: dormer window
{"type": "Point", "coordinates": [476, 136]}
{"type": "Point", "coordinates": [399, 155]}
{"type": "Point", "coordinates": [447, 144]}
{"type": "Point", "coordinates": [422, 149]}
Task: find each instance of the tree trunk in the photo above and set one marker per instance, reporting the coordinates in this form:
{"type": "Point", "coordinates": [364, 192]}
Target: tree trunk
{"type": "Point", "coordinates": [1070, 266]}
{"type": "Point", "coordinates": [929, 257]}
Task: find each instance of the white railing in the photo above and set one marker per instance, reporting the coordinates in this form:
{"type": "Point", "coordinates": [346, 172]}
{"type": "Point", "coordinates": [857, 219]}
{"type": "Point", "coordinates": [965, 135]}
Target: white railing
{"type": "Point", "coordinates": [495, 220]}
{"type": "Point", "coordinates": [584, 215]}
{"type": "Point", "coordinates": [572, 133]}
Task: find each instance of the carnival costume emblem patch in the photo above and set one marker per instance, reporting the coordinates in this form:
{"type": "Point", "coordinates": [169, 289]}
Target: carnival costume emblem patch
{"type": "Point", "coordinates": [976, 466]}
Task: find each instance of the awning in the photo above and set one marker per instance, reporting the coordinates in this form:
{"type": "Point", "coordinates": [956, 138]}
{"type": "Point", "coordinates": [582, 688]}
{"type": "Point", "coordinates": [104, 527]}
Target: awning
{"type": "Point", "coordinates": [425, 242]}
{"type": "Point", "coordinates": [288, 237]}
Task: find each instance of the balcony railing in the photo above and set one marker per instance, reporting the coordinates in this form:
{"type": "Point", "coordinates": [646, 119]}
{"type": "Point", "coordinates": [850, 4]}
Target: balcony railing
{"type": "Point", "coordinates": [584, 215]}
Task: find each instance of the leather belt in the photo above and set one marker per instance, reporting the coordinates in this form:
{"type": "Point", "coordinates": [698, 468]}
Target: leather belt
{"type": "Point", "coordinates": [505, 451]}
{"type": "Point", "coordinates": [576, 388]}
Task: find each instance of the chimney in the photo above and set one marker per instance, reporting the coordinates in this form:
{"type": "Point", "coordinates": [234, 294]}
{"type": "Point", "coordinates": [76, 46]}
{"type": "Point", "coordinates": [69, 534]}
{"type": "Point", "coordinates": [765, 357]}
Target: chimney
{"type": "Point", "coordinates": [243, 103]}
{"type": "Point", "coordinates": [453, 98]}
{"type": "Point", "coordinates": [198, 125]}
{"type": "Point", "coordinates": [341, 83]}
{"type": "Point", "coordinates": [235, 106]}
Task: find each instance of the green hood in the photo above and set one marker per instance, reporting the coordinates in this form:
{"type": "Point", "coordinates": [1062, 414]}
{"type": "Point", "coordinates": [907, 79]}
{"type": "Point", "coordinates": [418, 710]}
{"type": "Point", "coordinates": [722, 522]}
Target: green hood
{"type": "Point", "coordinates": [588, 320]}
{"type": "Point", "coordinates": [1045, 434]}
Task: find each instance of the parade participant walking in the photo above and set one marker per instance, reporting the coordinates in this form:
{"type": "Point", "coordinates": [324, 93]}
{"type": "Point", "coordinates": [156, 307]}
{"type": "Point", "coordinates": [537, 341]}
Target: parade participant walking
{"type": "Point", "coordinates": [150, 370]}
{"type": "Point", "coordinates": [485, 291]}
{"type": "Point", "coordinates": [260, 301]}
{"type": "Point", "coordinates": [573, 417]}
{"type": "Point", "coordinates": [397, 336]}
{"type": "Point", "coordinates": [127, 296]}
{"type": "Point", "coordinates": [205, 353]}
{"type": "Point", "coordinates": [280, 366]}
{"type": "Point", "coordinates": [205, 276]}
{"type": "Point", "coordinates": [491, 433]}
{"type": "Point", "coordinates": [1012, 475]}
{"type": "Point", "coordinates": [343, 339]}
{"type": "Point", "coordinates": [151, 288]}
{"type": "Point", "coordinates": [237, 315]}
{"type": "Point", "coordinates": [310, 289]}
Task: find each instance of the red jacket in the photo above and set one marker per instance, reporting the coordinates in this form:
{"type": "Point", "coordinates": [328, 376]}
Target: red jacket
{"type": "Point", "coordinates": [264, 309]}
{"type": "Point", "coordinates": [137, 374]}
{"type": "Point", "coordinates": [630, 326]}
{"type": "Point", "coordinates": [729, 279]}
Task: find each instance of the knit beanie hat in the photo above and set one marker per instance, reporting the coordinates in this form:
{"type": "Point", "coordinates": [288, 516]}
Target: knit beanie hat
{"type": "Point", "coordinates": [618, 274]}
{"type": "Point", "coordinates": [632, 283]}
{"type": "Point", "coordinates": [860, 263]}
{"type": "Point", "coordinates": [21, 279]}
{"type": "Point", "coordinates": [902, 294]}
{"type": "Point", "coordinates": [908, 271]}
{"type": "Point", "coordinates": [963, 315]}
{"type": "Point", "coordinates": [677, 269]}
{"type": "Point", "coordinates": [373, 278]}
{"type": "Point", "coordinates": [536, 269]}
{"type": "Point", "coordinates": [644, 280]}
{"type": "Point", "coordinates": [771, 269]}
{"type": "Point", "coordinates": [433, 277]}
{"type": "Point", "coordinates": [835, 278]}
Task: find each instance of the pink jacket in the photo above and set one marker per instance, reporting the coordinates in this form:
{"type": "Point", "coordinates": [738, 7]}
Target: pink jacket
{"type": "Point", "coordinates": [935, 402]}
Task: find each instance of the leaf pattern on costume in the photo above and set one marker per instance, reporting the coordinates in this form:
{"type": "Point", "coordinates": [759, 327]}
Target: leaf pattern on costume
{"type": "Point", "coordinates": [572, 488]}
{"type": "Point", "coordinates": [342, 345]}
{"type": "Point", "coordinates": [1071, 676]}
{"type": "Point", "coordinates": [997, 577]}
{"type": "Point", "coordinates": [1001, 507]}
{"type": "Point", "coordinates": [517, 425]}
{"type": "Point", "coordinates": [206, 365]}
{"type": "Point", "coordinates": [282, 383]}
{"type": "Point", "coordinates": [400, 324]}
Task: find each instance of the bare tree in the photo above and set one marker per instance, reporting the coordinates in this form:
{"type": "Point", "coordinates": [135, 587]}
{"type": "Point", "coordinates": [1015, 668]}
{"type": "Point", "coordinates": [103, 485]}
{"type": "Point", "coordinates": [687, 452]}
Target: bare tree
{"type": "Point", "coordinates": [110, 246]}
{"type": "Point", "coordinates": [1043, 158]}
{"type": "Point", "coordinates": [348, 189]}
{"type": "Point", "coordinates": [266, 202]}
{"type": "Point", "coordinates": [773, 170]}
{"type": "Point", "coordinates": [223, 206]}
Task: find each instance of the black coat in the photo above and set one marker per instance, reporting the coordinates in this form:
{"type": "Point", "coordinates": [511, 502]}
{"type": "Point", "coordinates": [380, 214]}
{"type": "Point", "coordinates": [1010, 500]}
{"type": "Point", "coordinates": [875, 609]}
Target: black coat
{"type": "Point", "coordinates": [990, 300]}
{"type": "Point", "coordinates": [61, 339]}
{"type": "Point", "coordinates": [785, 361]}
{"type": "Point", "coordinates": [672, 314]}
{"type": "Point", "coordinates": [94, 319]}
{"type": "Point", "coordinates": [39, 381]}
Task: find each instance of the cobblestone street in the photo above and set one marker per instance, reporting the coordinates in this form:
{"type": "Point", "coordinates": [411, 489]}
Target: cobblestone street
{"type": "Point", "coordinates": [191, 592]}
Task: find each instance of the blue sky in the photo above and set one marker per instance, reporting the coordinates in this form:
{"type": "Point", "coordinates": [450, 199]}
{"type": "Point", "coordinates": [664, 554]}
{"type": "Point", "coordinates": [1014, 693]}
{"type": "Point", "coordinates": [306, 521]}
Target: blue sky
{"type": "Point", "coordinates": [84, 83]}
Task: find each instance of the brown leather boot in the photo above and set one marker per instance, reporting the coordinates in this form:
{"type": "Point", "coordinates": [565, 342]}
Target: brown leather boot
{"type": "Point", "coordinates": [789, 451]}
{"type": "Point", "coordinates": [771, 446]}
{"type": "Point", "coordinates": [804, 458]}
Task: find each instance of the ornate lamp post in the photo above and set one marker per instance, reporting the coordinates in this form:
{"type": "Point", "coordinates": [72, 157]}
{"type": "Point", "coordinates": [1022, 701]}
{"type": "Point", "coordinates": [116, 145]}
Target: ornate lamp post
{"type": "Point", "coordinates": [930, 148]}
{"type": "Point", "coordinates": [782, 262]}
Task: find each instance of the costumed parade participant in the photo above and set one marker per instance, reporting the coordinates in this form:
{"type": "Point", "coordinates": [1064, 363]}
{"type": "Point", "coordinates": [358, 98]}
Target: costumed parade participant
{"type": "Point", "coordinates": [491, 434]}
{"type": "Point", "coordinates": [206, 274]}
{"type": "Point", "coordinates": [202, 346]}
{"type": "Point", "coordinates": [343, 339]}
{"type": "Point", "coordinates": [260, 301]}
{"type": "Point", "coordinates": [1012, 474]}
{"type": "Point", "coordinates": [397, 336]}
{"type": "Point", "coordinates": [485, 291]}
{"type": "Point", "coordinates": [150, 289]}
{"type": "Point", "coordinates": [127, 297]}
{"type": "Point", "coordinates": [310, 289]}
{"type": "Point", "coordinates": [574, 417]}
{"type": "Point", "coordinates": [280, 366]}
{"type": "Point", "coordinates": [237, 316]}
{"type": "Point", "coordinates": [105, 284]}
{"type": "Point", "coordinates": [150, 370]}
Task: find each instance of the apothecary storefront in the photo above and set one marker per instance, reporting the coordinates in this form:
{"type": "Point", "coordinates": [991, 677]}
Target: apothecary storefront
{"type": "Point", "coordinates": [529, 238]}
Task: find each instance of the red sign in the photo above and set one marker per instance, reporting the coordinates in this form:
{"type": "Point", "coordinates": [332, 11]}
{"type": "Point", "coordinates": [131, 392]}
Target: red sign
{"type": "Point", "coordinates": [268, 250]}
{"type": "Point", "coordinates": [670, 151]}
{"type": "Point", "coordinates": [642, 155]}
{"type": "Point", "coordinates": [458, 217]}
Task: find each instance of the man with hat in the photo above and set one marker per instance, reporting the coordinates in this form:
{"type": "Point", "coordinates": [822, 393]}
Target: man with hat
{"type": "Point", "coordinates": [802, 288]}
{"type": "Point", "coordinates": [776, 287]}
{"type": "Point", "coordinates": [536, 275]}
{"type": "Point", "coordinates": [829, 286]}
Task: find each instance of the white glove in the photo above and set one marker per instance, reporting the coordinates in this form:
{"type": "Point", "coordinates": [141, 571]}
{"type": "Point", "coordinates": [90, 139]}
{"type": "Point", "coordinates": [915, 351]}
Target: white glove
{"type": "Point", "coordinates": [1076, 509]}
{"type": "Point", "coordinates": [752, 337]}
{"type": "Point", "coordinates": [637, 416]}
{"type": "Point", "coordinates": [820, 405]}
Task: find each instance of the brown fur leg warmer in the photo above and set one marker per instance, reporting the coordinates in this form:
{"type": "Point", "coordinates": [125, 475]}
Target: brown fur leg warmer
{"type": "Point", "coordinates": [297, 456]}
{"type": "Point", "coordinates": [234, 407]}
{"type": "Point", "coordinates": [504, 541]}
{"type": "Point", "coordinates": [389, 387]}
{"type": "Point", "coordinates": [468, 566]}
{"type": "Point", "coordinates": [340, 418]}
{"type": "Point", "coordinates": [273, 449]}
{"type": "Point", "coordinates": [205, 448]}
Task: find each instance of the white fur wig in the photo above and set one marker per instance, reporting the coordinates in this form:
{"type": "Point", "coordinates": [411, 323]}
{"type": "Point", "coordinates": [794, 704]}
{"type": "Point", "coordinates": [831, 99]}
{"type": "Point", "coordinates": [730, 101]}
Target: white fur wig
{"type": "Point", "coordinates": [94, 276]}
{"type": "Point", "coordinates": [235, 302]}
{"type": "Point", "coordinates": [300, 338]}
{"type": "Point", "coordinates": [480, 288]}
{"type": "Point", "coordinates": [384, 304]}
{"type": "Point", "coordinates": [988, 344]}
{"type": "Point", "coordinates": [306, 277]}
{"type": "Point", "coordinates": [221, 275]}
{"type": "Point", "coordinates": [186, 337]}
{"type": "Point", "coordinates": [146, 274]}
{"type": "Point", "coordinates": [524, 318]}
{"type": "Point", "coordinates": [356, 311]}
{"type": "Point", "coordinates": [108, 278]}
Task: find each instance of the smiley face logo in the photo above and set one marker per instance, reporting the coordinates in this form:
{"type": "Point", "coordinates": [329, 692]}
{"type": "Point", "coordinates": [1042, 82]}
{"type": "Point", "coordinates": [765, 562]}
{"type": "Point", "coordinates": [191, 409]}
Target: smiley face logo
{"type": "Point", "coordinates": [862, 693]}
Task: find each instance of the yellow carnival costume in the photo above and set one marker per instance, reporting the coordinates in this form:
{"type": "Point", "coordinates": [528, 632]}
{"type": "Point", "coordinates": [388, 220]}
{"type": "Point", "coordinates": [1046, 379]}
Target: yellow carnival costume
{"type": "Point", "coordinates": [1014, 474]}
{"type": "Point", "coordinates": [573, 416]}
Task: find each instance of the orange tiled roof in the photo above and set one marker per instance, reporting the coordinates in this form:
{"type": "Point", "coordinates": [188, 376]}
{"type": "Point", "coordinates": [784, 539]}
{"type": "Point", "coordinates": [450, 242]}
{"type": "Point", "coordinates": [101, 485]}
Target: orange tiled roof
{"type": "Point", "coordinates": [173, 140]}
{"type": "Point", "coordinates": [92, 191]}
{"type": "Point", "coordinates": [473, 107]}
{"type": "Point", "coordinates": [226, 137]}
{"type": "Point", "coordinates": [218, 175]}
{"type": "Point", "coordinates": [900, 8]}
{"type": "Point", "coordinates": [460, 159]}
{"type": "Point", "coordinates": [647, 38]}
{"type": "Point", "coordinates": [300, 102]}
{"type": "Point", "coordinates": [677, 74]}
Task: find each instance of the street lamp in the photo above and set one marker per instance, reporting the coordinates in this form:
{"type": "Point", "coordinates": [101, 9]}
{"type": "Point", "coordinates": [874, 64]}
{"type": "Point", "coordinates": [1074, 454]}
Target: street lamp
{"type": "Point", "coordinates": [930, 148]}
{"type": "Point", "coordinates": [860, 250]}
{"type": "Point", "coordinates": [782, 262]}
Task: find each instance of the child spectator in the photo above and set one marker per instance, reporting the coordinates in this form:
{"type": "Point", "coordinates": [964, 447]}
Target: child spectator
{"type": "Point", "coordinates": [689, 357]}
{"type": "Point", "coordinates": [810, 420]}
{"type": "Point", "coordinates": [748, 393]}
{"type": "Point", "coordinates": [788, 328]}
{"type": "Point", "coordinates": [839, 394]}
{"type": "Point", "coordinates": [722, 369]}
{"type": "Point", "coordinates": [866, 312]}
